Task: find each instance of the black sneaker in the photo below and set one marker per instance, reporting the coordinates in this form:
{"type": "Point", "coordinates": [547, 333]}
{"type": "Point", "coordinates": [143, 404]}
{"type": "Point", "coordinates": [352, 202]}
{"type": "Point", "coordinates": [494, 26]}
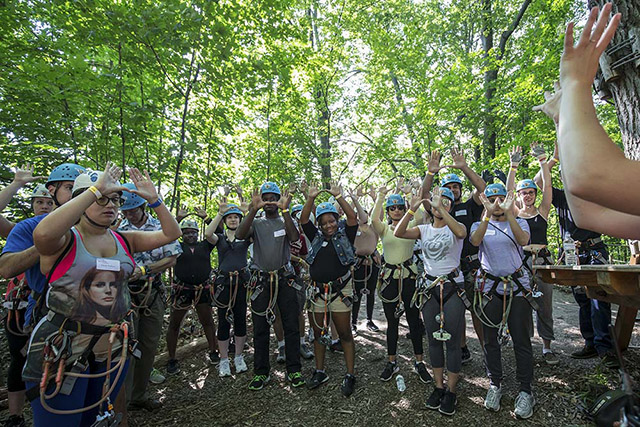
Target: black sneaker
{"type": "Point", "coordinates": [296, 380]}
{"type": "Point", "coordinates": [214, 357]}
{"type": "Point", "coordinates": [336, 347]}
{"type": "Point", "coordinates": [433, 402]}
{"type": "Point", "coordinates": [15, 421]}
{"type": "Point", "coordinates": [389, 369]}
{"type": "Point", "coordinates": [466, 355]}
{"type": "Point", "coordinates": [448, 403]}
{"type": "Point", "coordinates": [372, 326]}
{"type": "Point", "coordinates": [587, 352]}
{"type": "Point", "coordinates": [258, 382]}
{"type": "Point", "coordinates": [354, 329]}
{"type": "Point", "coordinates": [317, 379]}
{"type": "Point", "coordinates": [348, 385]}
{"type": "Point", "coordinates": [422, 372]}
{"type": "Point", "coordinates": [173, 367]}
{"type": "Point", "coordinates": [609, 360]}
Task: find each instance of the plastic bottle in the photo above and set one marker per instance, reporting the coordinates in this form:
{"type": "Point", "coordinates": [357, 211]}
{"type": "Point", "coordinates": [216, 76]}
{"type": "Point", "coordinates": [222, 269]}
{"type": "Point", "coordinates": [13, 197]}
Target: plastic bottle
{"type": "Point", "coordinates": [400, 383]}
{"type": "Point", "coordinates": [569, 246]}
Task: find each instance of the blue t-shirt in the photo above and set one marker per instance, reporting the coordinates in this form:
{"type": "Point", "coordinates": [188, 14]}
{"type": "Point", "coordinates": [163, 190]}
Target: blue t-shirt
{"type": "Point", "coordinates": [20, 239]}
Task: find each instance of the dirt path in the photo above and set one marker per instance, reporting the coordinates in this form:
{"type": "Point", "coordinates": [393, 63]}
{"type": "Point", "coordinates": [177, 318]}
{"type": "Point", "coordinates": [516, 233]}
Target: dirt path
{"type": "Point", "coordinates": [197, 396]}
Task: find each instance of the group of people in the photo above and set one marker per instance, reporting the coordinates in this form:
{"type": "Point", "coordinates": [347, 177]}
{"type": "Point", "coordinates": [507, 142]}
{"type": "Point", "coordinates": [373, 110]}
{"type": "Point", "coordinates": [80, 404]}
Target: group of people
{"type": "Point", "coordinates": [87, 298]}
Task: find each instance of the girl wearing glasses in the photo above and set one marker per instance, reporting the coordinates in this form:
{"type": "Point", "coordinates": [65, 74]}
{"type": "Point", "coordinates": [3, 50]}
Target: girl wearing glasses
{"type": "Point", "coordinates": [397, 282]}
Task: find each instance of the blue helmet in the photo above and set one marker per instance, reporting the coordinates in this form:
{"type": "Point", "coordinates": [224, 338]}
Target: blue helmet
{"type": "Point", "coordinates": [526, 183]}
{"type": "Point", "coordinates": [495, 190]}
{"type": "Point", "coordinates": [131, 201]}
{"type": "Point", "coordinates": [65, 172]}
{"type": "Point", "coordinates": [270, 187]}
{"type": "Point", "coordinates": [395, 200]}
{"type": "Point", "coordinates": [234, 210]}
{"type": "Point", "coordinates": [325, 207]}
{"type": "Point", "coordinates": [296, 208]}
{"type": "Point", "coordinates": [450, 178]}
{"type": "Point", "coordinates": [447, 193]}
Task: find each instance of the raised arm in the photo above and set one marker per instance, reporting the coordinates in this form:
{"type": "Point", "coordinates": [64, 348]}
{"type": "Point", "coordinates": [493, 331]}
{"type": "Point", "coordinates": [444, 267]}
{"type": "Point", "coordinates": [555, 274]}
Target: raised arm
{"type": "Point", "coordinates": [376, 214]}
{"type": "Point", "coordinates": [433, 167]}
{"type": "Point", "coordinates": [310, 192]}
{"type": "Point", "coordinates": [441, 204]}
{"type": "Point", "coordinates": [363, 217]}
{"type": "Point", "coordinates": [401, 230]}
{"type": "Point", "coordinates": [460, 162]}
{"type": "Point", "coordinates": [289, 226]}
{"type": "Point", "coordinates": [537, 150]}
{"type": "Point", "coordinates": [210, 231]}
{"type": "Point", "coordinates": [521, 236]}
{"type": "Point", "coordinates": [22, 177]}
{"type": "Point", "coordinates": [336, 191]}
{"type": "Point", "coordinates": [244, 229]}
{"type": "Point", "coordinates": [477, 236]}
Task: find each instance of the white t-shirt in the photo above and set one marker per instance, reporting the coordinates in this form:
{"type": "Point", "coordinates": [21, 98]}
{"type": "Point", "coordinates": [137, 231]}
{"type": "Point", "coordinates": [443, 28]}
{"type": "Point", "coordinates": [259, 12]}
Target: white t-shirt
{"type": "Point", "coordinates": [441, 250]}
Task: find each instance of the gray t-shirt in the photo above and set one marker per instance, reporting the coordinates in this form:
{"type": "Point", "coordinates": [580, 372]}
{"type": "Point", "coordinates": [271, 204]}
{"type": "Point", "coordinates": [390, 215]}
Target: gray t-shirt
{"type": "Point", "coordinates": [499, 255]}
{"type": "Point", "coordinates": [270, 244]}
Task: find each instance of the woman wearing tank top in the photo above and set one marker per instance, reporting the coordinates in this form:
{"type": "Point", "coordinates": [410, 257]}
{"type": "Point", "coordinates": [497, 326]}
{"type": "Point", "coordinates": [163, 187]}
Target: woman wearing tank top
{"type": "Point", "coordinates": [537, 252]}
{"type": "Point", "coordinates": [87, 266]}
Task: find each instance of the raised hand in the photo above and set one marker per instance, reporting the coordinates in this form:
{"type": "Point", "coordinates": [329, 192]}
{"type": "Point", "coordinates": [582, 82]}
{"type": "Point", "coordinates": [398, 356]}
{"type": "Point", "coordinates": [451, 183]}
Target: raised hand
{"type": "Point", "coordinates": [537, 151]}
{"type": "Point", "coordinates": [372, 193]}
{"type": "Point", "coordinates": [579, 63]}
{"type": "Point", "coordinates": [335, 189]}
{"type": "Point", "coordinates": [551, 106]}
{"type": "Point", "coordinates": [144, 185]}
{"type": "Point", "coordinates": [256, 199]}
{"type": "Point", "coordinates": [434, 162]}
{"type": "Point", "coordinates": [24, 175]}
{"type": "Point", "coordinates": [312, 191]}
{"type": "Point", "coordinates": [108, 181]}
{"type": "Point", "coordinates": [201, 213]}
{"type": "Point", "coordinates": [508, 202]}
{"type": "Point", "coordinates": [515, 156]}
{"type": "Point", "coordinates": [239, 192]}
{"type": "Point", "coordinates": [284, 201]}
{"type": "Point", "coordinates": [223, 206]}
{"type": "Point", "coordinates": [406, 187]}
{"type": "Point", "coordinates": [489, 207]}
{"type": "Point", "coordinates": [182, 213]}
{"type": "Point", "coordinates": [304, 188]}
{"type": "Point", "coordinates": [383, 190]}
{"type": "Point", "coordinates": [415, 203]}
{"type": "Point", "coordinates": [459, 160]}
{"type": "Point", "coordinates": [244, 207]}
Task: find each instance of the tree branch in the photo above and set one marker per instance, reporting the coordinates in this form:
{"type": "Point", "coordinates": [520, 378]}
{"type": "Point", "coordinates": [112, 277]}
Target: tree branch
{"type": "Point", "coordinates": [514, 24]}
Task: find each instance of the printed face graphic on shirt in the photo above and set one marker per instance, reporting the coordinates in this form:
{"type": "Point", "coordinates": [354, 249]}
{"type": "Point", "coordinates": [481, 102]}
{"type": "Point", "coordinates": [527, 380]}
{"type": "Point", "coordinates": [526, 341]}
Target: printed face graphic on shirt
{"type": "Point", "coordinates": [437, 248]}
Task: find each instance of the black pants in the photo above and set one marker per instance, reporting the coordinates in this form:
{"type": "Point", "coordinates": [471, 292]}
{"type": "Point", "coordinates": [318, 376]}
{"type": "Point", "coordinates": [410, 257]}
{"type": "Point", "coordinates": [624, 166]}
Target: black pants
{"type": "Point", "coordinates": [239, 310]}
{"type": "Point", "coordinates": [412, 314]}
{"type": "Point", "coordinates": [16, 344]}
{"type": "Point", "coordinates": [359, 284]}
{"type": "Point", "coordinates": [287, 302]}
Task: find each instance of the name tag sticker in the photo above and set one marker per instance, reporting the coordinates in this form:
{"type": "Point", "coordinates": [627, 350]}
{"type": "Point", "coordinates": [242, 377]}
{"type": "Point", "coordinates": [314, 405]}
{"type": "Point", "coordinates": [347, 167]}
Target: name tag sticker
{"type": "Point", "coordinates": [461, 212]}
{"type": "Point", "coordinates": [490, 233]}
{"type": "Point", "coordinates": [107, 264]}
{"type": "Point", "coordinates": [358, 233]}
{"type": "Point", "coordinates": [279, 233]}
{"type": "Point", "coordinates": [324, 244]}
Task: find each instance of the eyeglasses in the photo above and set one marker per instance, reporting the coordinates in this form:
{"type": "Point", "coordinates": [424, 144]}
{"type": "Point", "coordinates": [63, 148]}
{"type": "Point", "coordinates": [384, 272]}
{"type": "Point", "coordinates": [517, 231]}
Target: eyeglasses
{"type": "Point", "coordinates": [116, 200]}
{"type": "Point", "coordinates": [393, 208]}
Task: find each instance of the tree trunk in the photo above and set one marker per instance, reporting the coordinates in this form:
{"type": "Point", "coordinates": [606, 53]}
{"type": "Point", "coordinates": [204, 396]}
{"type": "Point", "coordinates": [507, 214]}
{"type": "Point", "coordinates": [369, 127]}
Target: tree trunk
{"type": "Point", "coordinates": [406, 118]}
{"type": "Point", "coordinates": [122, 137]}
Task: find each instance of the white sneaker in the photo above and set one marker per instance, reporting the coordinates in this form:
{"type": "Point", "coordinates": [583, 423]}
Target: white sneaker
{"type": "Point", "coordinates": [241, 366]}
{"type": "Point", "coordinates": [224, 368]}
{"type": "Point", "coordinates": [524, 405]}
{"type": "Point", "coordinates": [492, 401]}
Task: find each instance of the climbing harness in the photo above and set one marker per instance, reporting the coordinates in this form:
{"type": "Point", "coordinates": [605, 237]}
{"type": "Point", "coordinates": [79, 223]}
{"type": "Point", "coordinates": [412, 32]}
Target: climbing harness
{"type": "Point", "coordinates": [327, 293]}
{"type": "Point", "coordinates": [178, 286]}
{"type": "Point", "coordinates": [386, 274]}
{"type": "Point", "coordinates": [234, 285]}
{"type": "Point", "coordinates": [16, 301]}
{"type": "Point", "coordinates": [256, 287]}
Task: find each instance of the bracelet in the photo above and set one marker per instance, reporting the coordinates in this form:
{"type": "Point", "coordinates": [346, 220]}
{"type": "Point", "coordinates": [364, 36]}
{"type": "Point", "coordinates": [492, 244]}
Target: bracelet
{"type": "Point", "coordinates": [410, 212]}
{"type": "Point", "coordinates": [156, 203]}
{"type": "Point", "coordinates": [285, 210]}
{"type": "Point", "coordinates": [95, 191]}
{"type": "Point", "coordinates": [338, 196]}
{"type": "Point", "coordinates": [143, 270]}
{"type": "Point", "coordinates": [557, 160]}
{"type": "Point", "coordinates": [514, 168]}
{"type": "Point", "coordinates": [429, 173]}
{"type": "Point", "coordinates": [486, 219]}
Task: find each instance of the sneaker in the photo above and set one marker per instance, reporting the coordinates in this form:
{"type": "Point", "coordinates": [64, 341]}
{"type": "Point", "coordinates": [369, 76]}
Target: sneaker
{"type": "Point", "coordinates": [305, 351]}
{"type": "Point", "coordinates": [224, 368]}
{"type": "Point", "coordinates": [524, 405]}
{"type": "Point", "coordinates": [389, 369]}
{"type": "Point", "coordinates": [15, 421]}
{"type": "Point", "coordinates": [372, 326]}
{"type": "Point", "coordinates": [336, 347]}
{"type": "Point", "coordinates": [609, 360]}
{"type": "Point", "coordinates": [550, 358]}
{"type": "Point", "coordinates": [448, 403]}
{"type": "Point", "coordinates": [433, 402]}
{"type": "Point", "coordinates": [422, 372]}
{"type": "Point", "coordinates": [173, 367]}
{"type": "Point", "coordinates": [296, 380]}
{"type": "Point", "coordinates": [156, 377]}
{"type": "Point", "coordinates": [354, 329]}
{"type": "Point", "coordinates": [281, 358]}
{"type": "Point", "coordinates": [317, 379]}
{"type": "Point", "coordinates": [587, 352]}
{"type": "Point", "coordinates": [258, 382]}
{"type": "Point", "coordinates": [492, 401]}
{"type": "Point", "coordinates": [466, 355]}
{"type": "Point", "coordinates": [348, 385]}
{"type": "Point", "coordinates": [214, 357]}
{"type": "Point", "coordinates": [241, 366]}
{"type": "Point", "coordinates": [310, 336]}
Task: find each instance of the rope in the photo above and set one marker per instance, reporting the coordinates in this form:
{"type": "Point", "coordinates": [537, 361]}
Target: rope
{"type": "Point", "coordinates": [273, 297]}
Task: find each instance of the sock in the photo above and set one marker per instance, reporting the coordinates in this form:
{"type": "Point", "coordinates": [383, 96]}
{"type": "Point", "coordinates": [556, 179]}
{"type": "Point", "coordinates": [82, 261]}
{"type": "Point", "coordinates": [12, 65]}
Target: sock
{"type": "Point", "coordinates": [546, 350]}
{"type": "Point", "coordinates": [280, 343]}
{"type": "Point", "coordinates": [240, 344]}
{"type": "Point", "coordinates": [302, 340]}
{"type": "Point", "coordinates": [320, 370]}
{"type": "Point", "coordinates": [223, 345]}
{"type": "Point", "coordinates": [335, 341]}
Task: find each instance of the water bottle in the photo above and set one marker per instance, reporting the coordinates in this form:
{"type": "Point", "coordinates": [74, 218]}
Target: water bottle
{"type": "Point", "coordinates": [400, 383]}
{"type": "Point", "coordinates": [569, 246]}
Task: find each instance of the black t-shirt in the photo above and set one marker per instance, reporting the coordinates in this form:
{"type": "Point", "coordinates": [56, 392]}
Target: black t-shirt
{"type": "Point", "coordinates": [538, 229]}
{"type": "Point", "coordinates": [232, 256]}
{"type": "Point", "coordinates": [327, 267]}
{"type": "Point", "coordinates": [467, 213]}
{"type": "Point", "coordinates": [193, 266]}
{"type": "Point", "coordinates": [566, 220]}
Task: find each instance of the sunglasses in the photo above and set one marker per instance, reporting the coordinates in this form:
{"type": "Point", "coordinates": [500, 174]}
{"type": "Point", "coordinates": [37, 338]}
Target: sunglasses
{"type": "Point", "coordinates": [393, 208]}
{"type": "Point", "coordinates": [116, 200]}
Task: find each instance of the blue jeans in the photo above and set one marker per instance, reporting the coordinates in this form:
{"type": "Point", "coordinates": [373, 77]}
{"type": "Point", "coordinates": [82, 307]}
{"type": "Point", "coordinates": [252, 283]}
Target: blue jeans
{"type": "Point", "coordinates": [595, 316]}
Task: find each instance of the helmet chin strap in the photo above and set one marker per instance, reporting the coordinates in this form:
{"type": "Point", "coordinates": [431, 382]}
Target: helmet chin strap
{"type": "Point", "coordinates": [95, 224]}
{"type": "Point", "coordinates": [55, 195]}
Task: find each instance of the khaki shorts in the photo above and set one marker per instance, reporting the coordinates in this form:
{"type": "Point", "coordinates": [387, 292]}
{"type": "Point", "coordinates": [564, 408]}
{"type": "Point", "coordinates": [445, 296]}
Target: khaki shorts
{"type": "Point", "coordinates": [337, 306]}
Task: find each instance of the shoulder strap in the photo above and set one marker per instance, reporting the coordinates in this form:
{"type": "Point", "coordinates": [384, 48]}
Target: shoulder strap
{"type": "Point", "coordinates": [126, 242]}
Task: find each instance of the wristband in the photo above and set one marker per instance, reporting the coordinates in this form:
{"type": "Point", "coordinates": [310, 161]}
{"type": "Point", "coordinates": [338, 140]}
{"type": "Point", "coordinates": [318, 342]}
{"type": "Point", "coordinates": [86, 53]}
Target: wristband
{"type": "Point", "coordinates": [430, 173]}
{"type": "Point", "coordinates": [95, 191]}
{"type": "Point", "coordinates": [486, 219]}
{"type": "Point", "coordinates": [285, 210]}
{"type": "Point", "coordinates": [557, 160]}
{"type": "Point", "coordinates": [338, 196]}
{"type": "Point", "coordinates": [514, 168]}
{"type": "Point", "coordinates": [156, 203]}
{"type": "Point", "coordinates": [410, 212]}
{"type": "Point", "coordinates": [143, 270]}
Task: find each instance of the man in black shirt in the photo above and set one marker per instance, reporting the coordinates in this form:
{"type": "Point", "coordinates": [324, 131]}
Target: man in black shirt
{"type": "Point", "coordinates": [467, 213]}
{"type": "Point", "coordinates": [191, 289]}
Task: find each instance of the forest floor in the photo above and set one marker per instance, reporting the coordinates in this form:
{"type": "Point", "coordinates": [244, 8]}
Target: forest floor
{"type": "Point", "coordinates": [197, 396]}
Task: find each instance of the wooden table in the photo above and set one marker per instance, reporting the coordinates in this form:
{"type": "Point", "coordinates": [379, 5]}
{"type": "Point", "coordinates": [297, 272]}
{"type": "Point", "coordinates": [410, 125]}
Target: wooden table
{"type": "Point", "coordinates": [616, 284]}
